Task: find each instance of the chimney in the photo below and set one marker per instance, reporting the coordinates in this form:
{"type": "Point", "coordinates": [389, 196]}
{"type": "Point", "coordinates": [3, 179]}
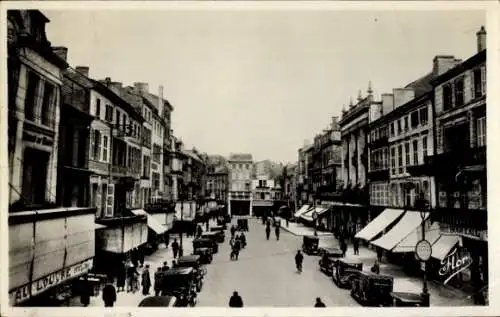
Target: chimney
{"type": "Point", "coordinates": [141, 88]}
{"type": "Point", "coordinates": [387, 103]}
{"type": "Point", "coordinates": [402, 96]}
{"type": "Point", "coordinates": [84, 70]}
{"type": "Point", "coordinates": [116, 87]}
{"type": "Point", "coordinates": [334, 125]}
{"type": "Point", "coordinates": [443, 63]}
{"type": "Point", "coordinates": [481, 39]}
{"type": "Point", "coordinates": [160, 100]}
{"type": "Point", "coordinates": [61, 51]}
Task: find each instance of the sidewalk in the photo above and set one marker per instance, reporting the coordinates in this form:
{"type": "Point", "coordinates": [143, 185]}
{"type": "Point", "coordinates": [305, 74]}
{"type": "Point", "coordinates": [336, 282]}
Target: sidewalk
{"type": "Point", "coordinates": [441, 295]}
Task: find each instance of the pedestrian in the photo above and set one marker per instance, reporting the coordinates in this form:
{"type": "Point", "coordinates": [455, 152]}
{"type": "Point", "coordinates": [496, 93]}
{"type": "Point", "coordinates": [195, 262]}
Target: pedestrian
{"type": "Point", "coordinates": [140, 252]}
{"type": "Point", "coordinates": [355, 245]}
{"type": "Point", "coordinates": [236, 301]}
{"type": "Point", "coordinates": [131, 271]}
{"type": "Point", "coordinates": [200, 231]}
{"type": "Point", "coordinates": [287, 221]}
{"type": "Point", "coordinates": [319, 303]}
{"type": "Point", "coordinates": [167, 240]}
{"type": "Point", "coordinates": [134, 257]}
{"type": "Point", "coordinates": [277, 232]}
{"type": "Point", "coordinates": [174, 264]}
{"type": "Point", "coordinates": [175, 248]}
{"type": "Point", "coordinates": [376, 268]}
{"type": "Point", "coordinates": [343, 247]}
{"type": "Point", "coordinates": [109, 295]}
{"type": "Point", "coordinates": [158, 280]}
{"type": "Point", "coordinates": [120, 277]}
{"type": "Point", "coordinates": [379, 254]}
{"type": "Point", "coordinates": [85, 291]}
{"type": "Point", "coordinates": [165, 267]}
{"type": "Point", "coordinates": [268, 232]}
{"type": "Point", "coordinates": [233, 231]}
{"type": "Point", "coordinates": [206, 226]}
{"type": "Point", "coordinates": [146, 281]}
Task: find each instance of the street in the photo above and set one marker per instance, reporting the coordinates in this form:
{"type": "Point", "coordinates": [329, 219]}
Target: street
{"type": "Point", "coordinates": [265, 275]}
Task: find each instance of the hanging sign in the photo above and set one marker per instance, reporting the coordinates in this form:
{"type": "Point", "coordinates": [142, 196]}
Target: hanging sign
{"type": "Point", "coordinates": [454, 263]}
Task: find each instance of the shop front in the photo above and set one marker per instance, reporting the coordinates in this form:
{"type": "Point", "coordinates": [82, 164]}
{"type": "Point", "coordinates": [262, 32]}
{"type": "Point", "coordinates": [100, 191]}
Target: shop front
{"type": "Point", "coordinates": [116, 240]}
{"type": "Point", "coordinates": [48, 250]}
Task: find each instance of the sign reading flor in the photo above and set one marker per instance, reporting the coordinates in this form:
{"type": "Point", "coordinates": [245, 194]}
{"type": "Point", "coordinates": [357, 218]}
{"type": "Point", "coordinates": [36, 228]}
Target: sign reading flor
{"type": "Point", "coordinates": [454, 263]}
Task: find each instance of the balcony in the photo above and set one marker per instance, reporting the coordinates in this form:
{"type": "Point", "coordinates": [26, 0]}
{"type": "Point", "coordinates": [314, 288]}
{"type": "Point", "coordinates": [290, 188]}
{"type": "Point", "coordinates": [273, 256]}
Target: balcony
{"type": "Point", "coordinates": [476, 219]}
{"type": "Point", "coordinates": [450, 161]}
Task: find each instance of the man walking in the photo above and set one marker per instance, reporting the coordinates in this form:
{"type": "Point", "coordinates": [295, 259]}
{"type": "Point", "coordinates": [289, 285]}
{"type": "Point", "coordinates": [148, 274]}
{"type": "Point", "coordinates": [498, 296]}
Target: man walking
{"type": "Point", "coordinates": [158, 280]}
{"type": "Point", "coordinates": [146, 281]}
{"type": "Point", "coordinates": [268, 231]}
{"type": "Point", "coordinates": [175, 248]}
{"type": "Point", "coordinates": [235, 301]}
{"type": "Point", "coordinates": [109, 295]}
{"type": "Point", "coordinates": [277, 232]}
{"type": "Point", "coordinates": [355, 245]}
{"type": "Point", "coordinates": [343, 247]}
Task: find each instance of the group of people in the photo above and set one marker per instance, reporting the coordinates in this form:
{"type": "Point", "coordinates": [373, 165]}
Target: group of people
{"type": "Point", "coordinates": [272, 222]}
{"type": "Point", "coordinates": [238, 241]}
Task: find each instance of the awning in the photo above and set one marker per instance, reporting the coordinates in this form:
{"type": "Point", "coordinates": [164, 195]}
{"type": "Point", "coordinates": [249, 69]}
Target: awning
{"type": "Point", "coordinates": [404, 227]}
{"type": "Point", "coordinates": [308, 215]}
{"type": "Point", "coordinates": [153, 224]}
{"type": "Point", "coordinates": [409, 243]}
{"type": "Point", "coordinates": [443, 246]}
{"type": "Point", "coordinates": [301, 211]}
{"type": "Point", "coordinates": [378, 224]}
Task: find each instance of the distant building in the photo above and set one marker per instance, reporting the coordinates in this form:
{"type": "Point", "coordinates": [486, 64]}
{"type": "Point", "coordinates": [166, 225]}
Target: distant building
{"type": "Point", "coordinates": [217, 179]}
{"type": "Point", "coordinates": [240, 190]}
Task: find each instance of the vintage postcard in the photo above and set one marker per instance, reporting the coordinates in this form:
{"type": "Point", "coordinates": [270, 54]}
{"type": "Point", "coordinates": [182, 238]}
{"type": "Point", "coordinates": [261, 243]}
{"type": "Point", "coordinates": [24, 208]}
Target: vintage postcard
{"type": "Point", "coordinates": [248, 158]}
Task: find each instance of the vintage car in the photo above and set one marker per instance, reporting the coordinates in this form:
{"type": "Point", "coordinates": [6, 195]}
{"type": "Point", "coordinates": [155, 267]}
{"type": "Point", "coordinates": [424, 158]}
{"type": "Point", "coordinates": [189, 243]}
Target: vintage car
{"type": "Point", "coordinates": [371, 289]}
{"type": "Point", "coordinates": [242, 224]}
{"type": "Point", "coordinates": [405, 299]}
{"type": "Point", "coordinates": [344, 270]}
{"type": "Point", "coordinates": [193, 261]}
{"type": "Point", "coordinates": [220, 233]}
{"type": "Point", "coordinates": [159, 301]}
{"type": "Point", "coordinates": [328, 258]}
{"type": "Point", "coordinates": [181, 283]}
{"type": "Point", "coordinates": [310, 245]}
{"type": "Point", "coordinates": [206, 242]}
{"type": "Point", "coordinates": [205, 254]}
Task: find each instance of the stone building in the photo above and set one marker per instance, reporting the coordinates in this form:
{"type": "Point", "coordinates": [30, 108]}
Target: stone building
{"type": "Point", "coordinates": [240, 184]}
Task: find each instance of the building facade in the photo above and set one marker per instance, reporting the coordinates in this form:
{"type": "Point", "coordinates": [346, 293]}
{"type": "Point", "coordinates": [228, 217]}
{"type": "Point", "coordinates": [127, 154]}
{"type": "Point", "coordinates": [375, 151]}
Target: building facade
{"type": "Point", "coordinates": [217, 179]}
{"type": "Point", "coordinates": [45, 239]}
{"type": "Point", "coordinates": [240, 187]}
{"type": "Point", "coordinates": [459, 162]}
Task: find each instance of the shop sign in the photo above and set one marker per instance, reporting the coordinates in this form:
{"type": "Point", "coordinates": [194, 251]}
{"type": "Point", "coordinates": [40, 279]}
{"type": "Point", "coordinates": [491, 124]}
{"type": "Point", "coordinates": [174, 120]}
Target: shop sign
{"type": "Point", "coordinates": [454, 263]}
{"type": "Point", "coordinates": [39, 286]}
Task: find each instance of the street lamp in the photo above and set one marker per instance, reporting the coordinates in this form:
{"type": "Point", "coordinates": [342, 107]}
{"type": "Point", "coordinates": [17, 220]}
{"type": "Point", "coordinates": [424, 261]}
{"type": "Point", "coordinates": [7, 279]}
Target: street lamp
{"type": "Point", "coordinates": [423, 249]}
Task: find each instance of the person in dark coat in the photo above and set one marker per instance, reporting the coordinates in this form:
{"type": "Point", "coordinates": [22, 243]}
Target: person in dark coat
{"type": "Point", "coordinates": [131, 275]}
{"type": "Point", "coordinates": [109, 295]}
{"type": "Point", "coordinates": [277, 232]}
{"type": "Point", "coordinates": [355, 245]}
{"type": "Point", "coordinates": [268, 231]}
{"type": "Point", "coordinates": [146, 281]}
{"type": "Point", "coordinates": [233, 231]}
{"type": "Point", "coordinates": [165, 267]}
{"type": "Point", "coordinates": [175, 248]}
{"type": "Point", "coordinates": [135, 257]}
{"type": "Point", "coordinates": [158, 280]}
{"type": "Point", "coordinates": [120, 277]}
{"type": "Point", "coordinates": [235, 301]}
{"type": "Point", "coordinates": [199, 231]}
{"type": "Point", "coordinates": [343, 247]}
{"type": "Point", "coordinates": [319, 303]}
{"type": "Point", "coordinates": [85, 291]}
{"type": "Point", "coordinates": [376, 268]}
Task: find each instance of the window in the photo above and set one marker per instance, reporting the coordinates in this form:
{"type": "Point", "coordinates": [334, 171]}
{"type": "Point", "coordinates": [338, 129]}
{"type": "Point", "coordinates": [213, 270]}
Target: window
{"type": "Point", "coordinates": [459, 92]}
{"type": "Point", "coordinates": [423, 116]}
{"type": "Point", "coordinates": [400, 159]}
{"type": "Point", "coordinates": [31, 96]}
{"type": "Point", "coordinates": [98, 108]}
{"type": "Point", "coordinates": [108, 116]}
{"type": "Point", "coordinates": [105, 147]}
{"type": "Point", "coordinates": [156, 153]}
{"type": "Point", "coordinates": [424, 148]}
{"type": "Point", "coordinates": [97, 145]}
{"type": "Point", "coordinates": [406, 121]}
{"type": "Point", "coordinates": [146, 166]}
{"type": "Point", "coordinates": [117, 117]}
{"type": "Point", "coordinates": [477, 77]}
{"type": "Point", "coordinates": [414, 119]}
{"type": "Point", "coordinates": [48, 104]}
{"type": "Point", "coordinates": [392, 129]}
{"type": "Point", "coordinates": [34, 179]}
{"type": "Point", "coordinates": [393, 160]}
{"type": "Point", "coordinates": [415, 152]}
{"type": "Point", "coordinates": [399, 126]}
{"type": "Point", "coordinates": [481, 131]}
{"type": "Point", "coordinates": [447, 97]}
{"type": "Point", "coordinates": [407, 154]}
{"type": "Point", "coordinates": [385, 159]}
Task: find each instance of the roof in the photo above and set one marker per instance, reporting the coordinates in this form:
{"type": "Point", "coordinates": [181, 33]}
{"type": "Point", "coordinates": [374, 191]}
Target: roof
{"type": "Point", "coordinates": [78, 77]}
{"type": "Point", "coordinates": [240, 157]}
{"type": "Point", "coordinates": [458, 69]}
{"type": "Point", "coordinates": [154, 99]}
{"type": "Point", "coordinates": [179, 271]}
{"type": "Point", "coordinates": [191, 154]}
{"type": "Point", "coordinates": [422, 85]}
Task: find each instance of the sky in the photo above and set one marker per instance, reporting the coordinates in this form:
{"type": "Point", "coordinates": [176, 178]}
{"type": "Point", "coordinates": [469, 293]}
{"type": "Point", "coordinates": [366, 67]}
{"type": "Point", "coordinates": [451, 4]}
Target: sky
{"type": "Point", "coordinates": [260, 81]}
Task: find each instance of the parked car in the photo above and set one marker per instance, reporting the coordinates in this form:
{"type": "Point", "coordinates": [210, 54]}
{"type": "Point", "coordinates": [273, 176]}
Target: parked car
{"type": "Point", "coordinates": [206, 242]}
{"type": "Point", "coordinates": [310, 245]}
{"type": "Point", "coordinates": [159, 301]}
{"type": "Point", "coordinates": [220, 233]}
{"type": "Point", "coordinates": [328, 258]}
{"type": "Point", "coordinates": [406, 299]}
{"type": "Point", "coordinates": [205, 254]}
{"type": "Point", "coordinates": [181, 283]}
{"type": "Point", "coordinates": [193, 261]}
{"type": "Point", "coordinates": [371, 289]}
{"type": "Point", "coordinates": [344, 270]}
